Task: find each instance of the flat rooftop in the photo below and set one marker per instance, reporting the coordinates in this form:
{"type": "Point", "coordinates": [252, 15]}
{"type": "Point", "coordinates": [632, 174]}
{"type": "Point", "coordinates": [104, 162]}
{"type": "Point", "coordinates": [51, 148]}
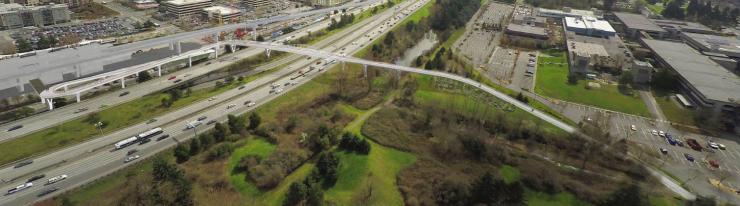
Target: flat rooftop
{"type": "Point", "coordinates": [682, 25]}
{"type": "Point", "coordinates": [223, 10]}
{"type": "Point", "coordinates": [540, 31]}
{"type": "Point", "coordinates": [589, 23]}
{"type": "Point", "coordinates": [639, 22]}
{"type": "Point", "coordinates": [588, 49]}
{"type": "Point", "coordinates": [186, 2]}
{"type": "Point", "coordinates": [716, 43]}
{"type": "Point", "coordinates": [712, 80]}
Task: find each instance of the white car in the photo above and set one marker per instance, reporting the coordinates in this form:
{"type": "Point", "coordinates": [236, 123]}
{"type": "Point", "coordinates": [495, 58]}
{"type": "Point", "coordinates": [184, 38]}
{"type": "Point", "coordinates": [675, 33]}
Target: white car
{"type": "Point", "coordinates": [231, 106]}
{"type": "Point", "coordinates": [713, 145]}
{"type": "Point", "coordinates": [131, 158]}
{"type": "Point", "coordinates": [654, 132]}
{"type": "Point", "coordinates": [56, 179]}
{"type": "Point", "coordinates": [661, 133]}
{"type": "Point", "coordinates": [211, 99]}
{"type": "Point", "coordinates": [278, 91]}
{"type": "Point", "coordinates": [633, 128]}
{"type": "Point", "coordinates": [721, 146]}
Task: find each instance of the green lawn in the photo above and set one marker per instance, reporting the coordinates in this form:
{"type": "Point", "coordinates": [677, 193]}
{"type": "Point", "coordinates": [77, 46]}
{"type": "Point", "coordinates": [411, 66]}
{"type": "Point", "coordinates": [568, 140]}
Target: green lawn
{"type": "Point", "coordinates": [375, 173]}
{"type": "Point", "coordinates": [419, 14]}
{"type": "Point", "coordinates": [276, 195]}
{"type": "Point", "coordinates": [673, 111]}
{"type": "Point", "coordinates": [533, 198]}
{"type": "Point", "coordinates": [257, 147]}
{"type": "Point", "coordinates": [509, 174]}
{"type": "Point", "coordinates": [552, 81]}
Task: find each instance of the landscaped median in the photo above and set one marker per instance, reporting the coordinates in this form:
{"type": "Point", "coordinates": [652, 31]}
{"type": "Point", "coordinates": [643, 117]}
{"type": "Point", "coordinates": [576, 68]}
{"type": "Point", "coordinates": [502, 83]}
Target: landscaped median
{"type": "Point", "coordinates": [552, 81]}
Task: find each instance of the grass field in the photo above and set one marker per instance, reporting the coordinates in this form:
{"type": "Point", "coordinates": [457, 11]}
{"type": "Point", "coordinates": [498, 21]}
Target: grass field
{"type": "Point", "coordinates": [552, 81]}
{"type": "Point", "coordinates": [375, 173]}
{"type": "Point", "coordinates": [419, 14]}
{"type": "Point", "coordinates": [257, 147]}
{"type": "Point", "coordinates": [533, 198]}
{"type": "Point", "coordinates": [672, 110]}
{"type": "Point", "coordinates": [509, 174]}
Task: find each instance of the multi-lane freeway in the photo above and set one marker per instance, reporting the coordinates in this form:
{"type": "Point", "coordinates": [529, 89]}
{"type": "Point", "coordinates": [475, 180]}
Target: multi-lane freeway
{"type": "Point", "coordinates": [54, 117]}
{"type": "Point", "coordinates": [93, 159]}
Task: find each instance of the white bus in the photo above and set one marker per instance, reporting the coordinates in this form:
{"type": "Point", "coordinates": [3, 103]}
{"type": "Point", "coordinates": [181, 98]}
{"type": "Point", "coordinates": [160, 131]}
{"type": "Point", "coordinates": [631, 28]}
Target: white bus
{"type": "Point", "coordinates": [126, 142]}
{"type": "Point", "coordinates": [56, 179]}
{"type": "Point", "coordinates": [20, 187]}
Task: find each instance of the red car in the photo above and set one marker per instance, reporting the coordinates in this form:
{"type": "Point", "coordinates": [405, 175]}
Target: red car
{"type": "Point", "coordinates": [172, 77]}
{"type": "Point", "coordinates": [714, 163]}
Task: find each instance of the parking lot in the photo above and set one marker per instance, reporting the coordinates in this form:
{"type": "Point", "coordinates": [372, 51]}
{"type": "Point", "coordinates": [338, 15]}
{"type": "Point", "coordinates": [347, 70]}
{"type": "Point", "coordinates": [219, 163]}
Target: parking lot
{"type": "Point", "coordinates": [89, 31]}
{"type": "Point", "coordinates": [501, 65]}
{"type": "Point", "coordinates": [525, 71]}
{"type": "Point", "coordinates": [674, 160]}
{"type": "Point", "coordinates": [480, 39]}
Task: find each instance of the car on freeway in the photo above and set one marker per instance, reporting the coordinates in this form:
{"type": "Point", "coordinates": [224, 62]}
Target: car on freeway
{"type": "Point", "coordinates": [286, 84]}
{"type": "Point", "coordinates": [151, 121]}
{"type": "Point", "coordinates": [688, 157]}
{"type": "Point", "coordinates": [48, 191]}
{"type": "Point", "coordinates": [201, 118]}
{"type": "Point", "coordinates": [177, 81]}
{"type": "Point", "coordinates": [663, 150]}
{"type": "Point", "coordinates": [144, 141]}
{"type": "Point", "coordinates": [278, 91]}
{"type": "Point", "coordinates": [241, 87]}
{"type": "Point", "coordinates": [187, 75]}
{"type": "Point", "coordinates": [249, 103]}
{"type": "Point", "coordinates": [15, 127]}
{"type": "Point", "coordinates": [172, 77]}
{"type": "Point", "coordinates": [211, 99]}
{"type": "Point", "coordinates": [123, 94]}
{"type": "Point", "coordinates": [20, 188]}
{"type": "Point", "coordinates": [56, 179]}
{"type": "Point", "coordinates": [131, 158]}
{"type": "Point", "coordinates": [24, 163]}
{"type": "Point", "coordinates": [130, 152]}
{"type": "Point", "coordinates": [211, 122]}
{"type": "Point", "coordinates": [164, 136]}
{"type": "Point", "coordinates": [633, 128]}
{"type": "Point", "coordinates": [231, 106]}
{"type": "Point", "coordinates": [81, 110]}
{"type": "Point", "coordinates": [37, 177]}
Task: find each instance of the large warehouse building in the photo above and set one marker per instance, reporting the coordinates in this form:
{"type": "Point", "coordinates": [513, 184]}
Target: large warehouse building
{"type": "Point", "coordinates": [708, 84]}
{"type": "Point", "coordinates": [633, 24]}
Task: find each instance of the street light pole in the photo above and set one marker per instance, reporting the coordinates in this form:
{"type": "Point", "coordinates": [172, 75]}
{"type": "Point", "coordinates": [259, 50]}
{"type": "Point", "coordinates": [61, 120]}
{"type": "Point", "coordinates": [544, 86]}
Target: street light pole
{"type": "Point", "coordinates": [100, 127]}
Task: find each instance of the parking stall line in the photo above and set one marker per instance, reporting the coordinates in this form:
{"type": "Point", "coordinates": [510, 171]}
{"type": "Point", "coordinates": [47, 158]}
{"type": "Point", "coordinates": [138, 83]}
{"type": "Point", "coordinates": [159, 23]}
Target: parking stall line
{"type": "Point", "coordinates": [675, 155]}
{"type": "Point", "coordinates": [723, 153]}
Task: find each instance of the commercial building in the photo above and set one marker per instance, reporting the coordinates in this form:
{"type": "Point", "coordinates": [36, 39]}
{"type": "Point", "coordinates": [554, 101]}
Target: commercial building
{"type": "Point", "coordinates": [537, 21]}
{"type": "Point", "coordinates": [16, 16]}
{"type": "Point", "coordinates": [633, 25]}
{"type": "Point", "coordinates": [262, 7]}
{"type": "Point", "coordinates": [585, 57]}
{"type": "Point", "coordinates": [589, 26]}
{"type": "Point", "coordinates": [327, 3]}
{"type": "Point", "coordinates": [182, 8]}
{"type": "Point", "coordinates": [568, 12]}
{"type": "Point", "coordinates": [222, 14]}
{"type": "Point", "coordinates": [145, 4]}
{"type": "Point", "coordinates": [729, 46]}
{"type": "Point", "coordinates": [705, 82]}
{"type": "Point", "coordinates": [642, 72]}
{"type": "Point", "coordinates": [516, 32]}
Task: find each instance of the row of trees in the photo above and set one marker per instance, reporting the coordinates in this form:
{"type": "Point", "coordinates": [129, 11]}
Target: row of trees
{"type": "Point", "coordinates": [221, 133]}
{"type": "Point", "coordinates": [352, 143]}
{"type": "Point", "coordinates": [310, 192]}
{"type": "Point", "coordinates": [344, 20]}
{"type": "Point", "coordinates": [487, 190]}
{"type": "Point", "coordinates": [704, 12]}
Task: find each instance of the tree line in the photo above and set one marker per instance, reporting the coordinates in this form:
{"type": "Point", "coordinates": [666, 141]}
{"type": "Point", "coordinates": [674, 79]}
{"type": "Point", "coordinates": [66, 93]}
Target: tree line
{"type": "Point", "coordinates": [701, 11]}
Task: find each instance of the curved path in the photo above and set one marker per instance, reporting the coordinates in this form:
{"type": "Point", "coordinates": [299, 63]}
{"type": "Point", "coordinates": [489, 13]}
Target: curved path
{"type": "Point", "coordinates": [342, 58]}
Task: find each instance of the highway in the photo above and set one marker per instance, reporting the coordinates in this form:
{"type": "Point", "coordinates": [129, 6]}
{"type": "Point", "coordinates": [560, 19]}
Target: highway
{"type": "Point", "coordinates": [90, 160]}
{"type": "Point", "coordinates": [350, 59]}
{"type": "Point", "coordinates": [57, 116]}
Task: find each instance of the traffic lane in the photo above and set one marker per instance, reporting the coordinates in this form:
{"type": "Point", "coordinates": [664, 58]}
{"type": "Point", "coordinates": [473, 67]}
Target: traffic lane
{"type": "Point", "coordinates": [54, 159]}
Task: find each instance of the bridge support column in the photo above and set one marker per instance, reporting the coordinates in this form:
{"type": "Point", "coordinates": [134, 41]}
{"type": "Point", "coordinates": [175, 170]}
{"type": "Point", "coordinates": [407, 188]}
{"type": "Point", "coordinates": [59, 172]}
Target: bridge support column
{"type": "Point", "coordinates": [179, 49]}
{"type": "Point", "coordinates": [190, 61]}
{"type": "Point", "coordinates": [78, 97]}
{"type": "Point", "coordinates": [50, 102]}
{"type": "Point", "coordinates": [123, 83]}
{"type": "Point", "coordinates": [364, 70]}
{"type": "Point", "coordinates": [215, 49]}
{"type": "Point", "coordinates": [159, 70]}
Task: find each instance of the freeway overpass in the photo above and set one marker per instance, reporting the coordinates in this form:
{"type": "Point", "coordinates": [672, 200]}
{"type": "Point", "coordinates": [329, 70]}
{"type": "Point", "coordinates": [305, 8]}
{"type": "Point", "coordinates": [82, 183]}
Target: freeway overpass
{"type": "Point", "coordinates": [342, 58]}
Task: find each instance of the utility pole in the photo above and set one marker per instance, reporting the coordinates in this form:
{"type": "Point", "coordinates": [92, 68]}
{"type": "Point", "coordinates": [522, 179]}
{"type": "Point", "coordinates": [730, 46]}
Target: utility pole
{"type": "Point", "coordinates": [99, 125]}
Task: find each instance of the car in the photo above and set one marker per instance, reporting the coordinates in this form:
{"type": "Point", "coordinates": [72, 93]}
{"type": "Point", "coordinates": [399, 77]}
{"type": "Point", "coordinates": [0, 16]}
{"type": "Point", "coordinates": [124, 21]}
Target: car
{"type": "Point", "coordinates": [679, 142]}
{"type": "Point", "coordinates": [187, 75]}
{"type": "Point", "coordinates": [211, 99]}
{"type": "Point", "coordinates": [172, 77]}
{"type": "Point", "coordinates": [48, 191]}
{"type": "Point", "coordinates": [201, 118]}
{"type": "Point", "coordinates": [164, 136]}
{"type": "Point", "coordinates": [714, 163]}
{"type": "Point", "coordinates": [177, 81]}
{"type": "Point", "coordinates": [241, 87]}
{"type": "Point", "coordinates": [211, 122]}
{"type": "Point", "coordinates": [278, 91]}
{"type": "Point", "coordinates": [123, 94]}
{"type": "Point", "coordinates": [56, 179]}
{"type": "Point", "coordinates": [713, 145]}
{"type": "Point", "coordinates": [130, 152]}
{"type": "Point", "coordinates": [248, 102]}
{"type": "Point", "coordinates": [37, 177]}
{"type": "Point", "coordinates": [661, 133]}
{"type": "Point", "coordinates": [272, 91]}
{"type": "Point", "coordinates": [286, 84]}
{"type": "Point", "coordinates": [633, 127]}
{"type": "Point", "coordinates": [15, 127]}
{"type": "Point", "coordinates": [131, 158]}
{"type": "Point", "coordinates": [145, 140]}
{"type": "Point", "coordinates": [230, 106]}
{"type": "Point", "coordinates": [688, 157]}
{"type": "Point", "coordinates": [721, 146]}
{"type": "Point", "coordinates": [670, 141]}
{"type": "Point", "coordinates": [151, 121]}
{"type": "Point", "coordinates": [24, 163]}
{"type": "Point", "coordinates": [81, 110]}
{"type": "Point", "coordinates": [654, 132]}
{"type": "Point", "coordinates": [663, 150]}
